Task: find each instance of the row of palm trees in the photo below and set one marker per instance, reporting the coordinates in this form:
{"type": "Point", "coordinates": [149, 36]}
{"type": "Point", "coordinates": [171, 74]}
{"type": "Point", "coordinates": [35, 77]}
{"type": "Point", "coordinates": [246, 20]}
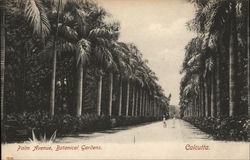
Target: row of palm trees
{"type": "Point", "coordinates": [81, 30]}
{"type": "Point", "coordinates": [216, 64]}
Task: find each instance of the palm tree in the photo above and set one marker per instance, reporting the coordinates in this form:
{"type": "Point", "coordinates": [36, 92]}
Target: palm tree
{"type": "Point", "coordinates": [117, 67]}
{"type": "Point", "coordinates": [134, 78]}
{"type": "Point", "coordinates": [83, 51]}
{"type": "Point", "coordinates": [136, 74]}
{"type": "Point", "coordinates": [101, 39]}
{"type": "Point", "coordinates": [127, 68]}
{"type": "Point", "coordinates": [194, 66]}
{"type": "Point", "coordinates": [124, 68]}
{"type": "Point", "coordinates": [86, 45]}
{"type": "Point", "coordinates": [53, 80]}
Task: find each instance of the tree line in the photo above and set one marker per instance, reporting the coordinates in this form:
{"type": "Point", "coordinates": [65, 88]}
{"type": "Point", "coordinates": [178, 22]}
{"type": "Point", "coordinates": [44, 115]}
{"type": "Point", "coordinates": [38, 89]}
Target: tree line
{"type": "Point", "coordinates": [215, 70]}
{"type": "Point", "coordinates": [64, 56]}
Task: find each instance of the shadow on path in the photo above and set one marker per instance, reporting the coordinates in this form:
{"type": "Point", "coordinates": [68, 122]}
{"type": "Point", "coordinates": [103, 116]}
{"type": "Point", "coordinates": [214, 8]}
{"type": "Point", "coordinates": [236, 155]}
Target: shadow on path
{"type": "Point", "coordinates": [94, 134]}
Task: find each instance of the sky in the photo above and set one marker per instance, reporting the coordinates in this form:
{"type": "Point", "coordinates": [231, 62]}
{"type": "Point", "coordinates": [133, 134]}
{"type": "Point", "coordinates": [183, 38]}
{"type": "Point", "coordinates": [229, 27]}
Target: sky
{"type": "Point", "coordinates": [158, 29]}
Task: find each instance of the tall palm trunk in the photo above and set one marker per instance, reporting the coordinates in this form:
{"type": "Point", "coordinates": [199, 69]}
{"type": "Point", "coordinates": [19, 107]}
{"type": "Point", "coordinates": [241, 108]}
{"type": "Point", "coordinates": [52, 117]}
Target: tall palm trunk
{"type": "Point", "coordinates": [206, 98]}
{"type": "Point", "coordinates": [127, 98]}
{"type": "Point", "coordinates": [136, 103]}
{"type": "Point", "coordinates": [209, 95]}
{"type": "Point", "coordinates": [232, 63]}
{"type": "Point", "coordinates": [153, 107]}
{"type": "Point", "coordinates": [248, 78]}
{"type": "Point", "coordinates": [213, 103]}
{"type": "Point", "coordinates": [156, 109]}
{"type": "Point", "coordinates": [146, 104]}
{"type": "Point", "coordinates": [218, 85]}
{"type": "Point", "coordinates": [79, 90]}
{"type": "Point", "coordinates": [120, 97]}
{"type": "Point", "coordinates": [141, 100]}
{"type": "Point", "coordinates": [248, 68]}
{"type": "Point", "coordinates": [201, 102]}
{"type": "Point", "coordinates": [99, 95]}
{"type": "Point", "coordinates": [110, 93]}
{"type": "Point", "coordinates": [199, 99]}
{"type": "Point", "coordinates": [53, 81]}
{"type": "Point", "coordinates": [2, 55]}
{"type": "Point", "coordinates": [190, 109]}
{"type": "Point", "coordinates": [195, 106]}
{"type": "Point", "coordinates": [203, 99]}
{"type": "Point", "coordinates": [149, 106]}
{"type": "Point", "coordinates": [133, 101]}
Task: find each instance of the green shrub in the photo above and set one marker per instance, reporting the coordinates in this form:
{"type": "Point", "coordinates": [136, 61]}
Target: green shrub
{"type": "Point", "coordinates": [224, 128]}
{"type": "Point", "coordinates": [41, 123]}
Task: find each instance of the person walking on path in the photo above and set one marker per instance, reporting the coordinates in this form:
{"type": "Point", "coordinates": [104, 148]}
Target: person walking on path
{"type": "Point", "coordinates": [164, 121]}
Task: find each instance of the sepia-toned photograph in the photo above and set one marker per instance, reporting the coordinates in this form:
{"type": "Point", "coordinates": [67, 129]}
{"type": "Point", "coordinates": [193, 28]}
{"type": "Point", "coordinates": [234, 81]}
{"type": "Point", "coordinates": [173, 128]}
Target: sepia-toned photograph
{"type": "Point", "coordinates": [125, 79]}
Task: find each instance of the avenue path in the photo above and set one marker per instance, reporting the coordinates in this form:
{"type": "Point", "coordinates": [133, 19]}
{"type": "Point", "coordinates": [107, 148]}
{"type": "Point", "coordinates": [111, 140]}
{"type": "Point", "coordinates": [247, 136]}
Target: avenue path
{"type": "Point", "coordinates": [148, 141]}
{"type": "Point", "coordinates": [175, 130]}
{"type": "Point", "coordinates": [153, 141]}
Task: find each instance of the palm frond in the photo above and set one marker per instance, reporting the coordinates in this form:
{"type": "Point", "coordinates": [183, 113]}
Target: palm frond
{"type": "Point", "coordinates": [83, 51]}
{"type": "Point", "coordinates": [100, 33]}
{"type": "Point", "coordinates": [66, 47]}
{"type": "Point", "coordinates": [68, 32]}
{"type": "Point", "coordinates": [53, 137]}
{"type": "Point", "coordinates": [36, 16]}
